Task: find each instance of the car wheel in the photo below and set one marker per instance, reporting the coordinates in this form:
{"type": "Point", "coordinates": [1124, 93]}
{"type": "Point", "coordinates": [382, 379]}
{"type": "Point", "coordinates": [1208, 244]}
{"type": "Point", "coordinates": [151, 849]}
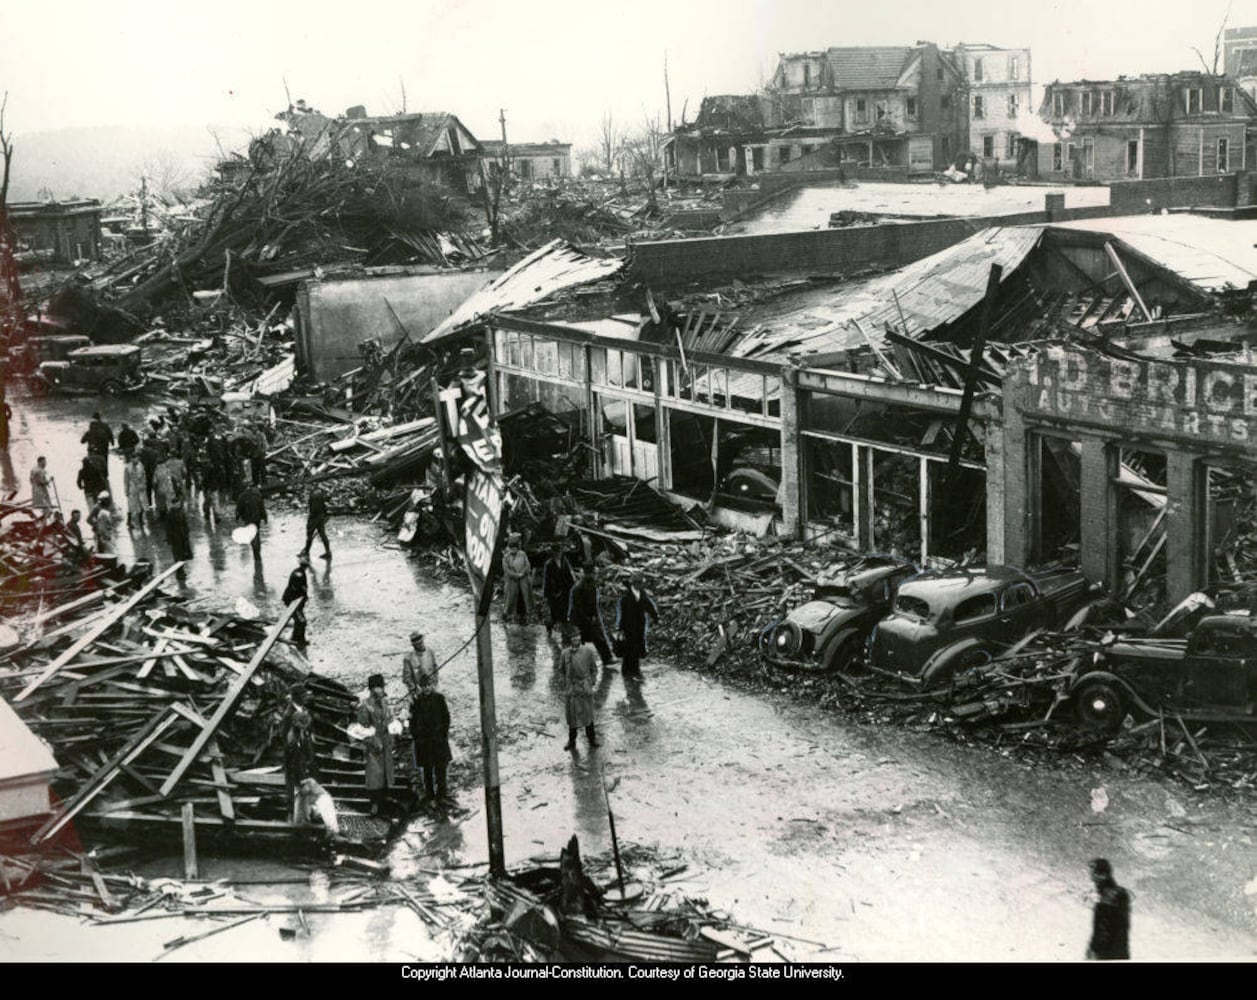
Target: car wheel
{"type": "Point", "coordinates": [111, 387]}
{"type": "Point", "coordinates": [848, 658]}
{"type": "Point", "coordinates": [1099, 705]}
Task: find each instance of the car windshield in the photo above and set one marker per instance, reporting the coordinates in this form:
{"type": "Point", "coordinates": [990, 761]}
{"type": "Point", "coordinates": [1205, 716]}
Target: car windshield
{"type": "Point", "coordinates": [905, 604]}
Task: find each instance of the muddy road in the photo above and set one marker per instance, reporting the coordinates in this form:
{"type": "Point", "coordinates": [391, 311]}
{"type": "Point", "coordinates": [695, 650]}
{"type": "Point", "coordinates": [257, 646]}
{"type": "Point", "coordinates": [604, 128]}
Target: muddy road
{"type": "Point", "coordinates": [872, 843]}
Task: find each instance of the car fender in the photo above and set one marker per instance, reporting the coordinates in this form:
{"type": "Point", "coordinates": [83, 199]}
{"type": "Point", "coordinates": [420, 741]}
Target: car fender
{"type": "Point", "coordinates": [940, 666]}
{"type": "Point", "coordinates": [833, 644]}
{"type": "Point", "coordinates": [1118, 682]}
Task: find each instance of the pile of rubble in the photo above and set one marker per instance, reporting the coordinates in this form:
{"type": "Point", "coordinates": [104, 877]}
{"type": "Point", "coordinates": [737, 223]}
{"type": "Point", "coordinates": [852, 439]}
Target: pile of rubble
{"type": "Point", "coordinates": [164, 719]}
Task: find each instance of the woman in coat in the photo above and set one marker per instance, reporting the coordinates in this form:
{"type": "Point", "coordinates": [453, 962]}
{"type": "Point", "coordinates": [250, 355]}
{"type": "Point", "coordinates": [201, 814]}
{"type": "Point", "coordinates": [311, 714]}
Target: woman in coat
{"type": "Point", "coordinates": [375, 714]}
{"type": "Point", "coordinates": [578, 663]}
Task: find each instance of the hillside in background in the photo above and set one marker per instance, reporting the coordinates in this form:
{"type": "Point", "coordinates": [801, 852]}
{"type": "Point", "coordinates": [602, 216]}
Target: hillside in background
{"type": "Point", "coordinates": [106, 161]}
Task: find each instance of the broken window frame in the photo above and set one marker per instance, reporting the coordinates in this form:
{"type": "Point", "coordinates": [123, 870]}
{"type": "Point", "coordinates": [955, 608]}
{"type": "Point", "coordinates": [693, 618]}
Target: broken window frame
{"type": "Point", "coordinates": [977, 69]}
{"type": "Point", "coordinates": [1224, 153]}
{"type": "Point", "coordinates": [1193, 100]}
{"type": "Point", "coordinates": [1012, 105]}
{"type": "Point", "coordinates": [1014, 68]}
{"type": "Point", "coordinates": [910, 106]}
{"type": "Point", "coordinates": [1108, 101]}
{"type": "Point", "coordinates": [1087, 103]}
{"type": "Point", "coordinates": [1058, 104]}
{"type": "Point", "coordinates": [1132, 162]}
{"type": "Point", "coordinates": [861, 110]}
{"type": "Point", "coordinates": [979, 107]}
{"type": "Point", "coordinates": [988, 146]}
{"type": "Point", "coordinates": [1226, 100]}
{"type": "Point", "coordinates": [1010, 146]}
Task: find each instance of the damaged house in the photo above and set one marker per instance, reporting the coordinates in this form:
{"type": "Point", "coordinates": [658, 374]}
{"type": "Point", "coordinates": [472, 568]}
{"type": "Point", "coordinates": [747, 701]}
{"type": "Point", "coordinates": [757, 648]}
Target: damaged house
{"type": "Point", "coordinates": [1158, 125]}
{"type": "Point", "coordinates": [530, 161]}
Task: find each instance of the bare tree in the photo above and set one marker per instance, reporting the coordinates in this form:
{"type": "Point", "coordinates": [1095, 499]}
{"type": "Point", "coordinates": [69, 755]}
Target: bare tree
{"type": "Point", "coordinates": [10, 286]}
{"type": "Point", "coordinates": [168, 177]}
{"type": "Point", "coordinates": [1217, 47]}
{"type": "Point", "coordinates": [641, 155]}
{"type": "Point", "coordinates": [610, 139]}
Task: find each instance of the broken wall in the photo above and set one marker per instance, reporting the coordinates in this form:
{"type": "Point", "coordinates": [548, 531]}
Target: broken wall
{"type": "Point", "coordinates": [333, 317]}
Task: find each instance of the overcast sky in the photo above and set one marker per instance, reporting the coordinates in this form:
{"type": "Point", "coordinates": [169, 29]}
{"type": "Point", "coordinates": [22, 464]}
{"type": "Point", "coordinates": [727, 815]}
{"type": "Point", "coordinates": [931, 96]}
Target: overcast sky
{"type": "Point", "coordinates": [554, 65]}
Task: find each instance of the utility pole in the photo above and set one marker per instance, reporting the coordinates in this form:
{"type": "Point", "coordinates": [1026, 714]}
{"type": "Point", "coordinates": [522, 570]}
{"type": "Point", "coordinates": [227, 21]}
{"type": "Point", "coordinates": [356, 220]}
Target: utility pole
{"type": "Point", "coordinates": [144, 202]}
{"type": "Point", "coordinates": [506, 149]}
{"type": "Point", "coordinates": [667, 89]}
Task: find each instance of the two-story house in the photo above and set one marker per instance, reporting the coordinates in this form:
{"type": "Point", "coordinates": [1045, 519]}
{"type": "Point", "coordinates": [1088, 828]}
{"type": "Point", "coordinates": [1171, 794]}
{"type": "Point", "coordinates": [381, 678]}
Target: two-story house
{"type": "Point", "coordinates": [1239, 46]}
{"type": "Point", "coordinates": [1158, 125]}
{"type": "Point", "coordinates": [997, 101]}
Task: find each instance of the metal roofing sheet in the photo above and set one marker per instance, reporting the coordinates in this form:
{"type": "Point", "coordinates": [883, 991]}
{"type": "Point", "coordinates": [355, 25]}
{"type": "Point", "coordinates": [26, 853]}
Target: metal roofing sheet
{"type": "Point", "coordinates": [1210, 253]}
{"type": "Point", "coordinates": [932, 291]}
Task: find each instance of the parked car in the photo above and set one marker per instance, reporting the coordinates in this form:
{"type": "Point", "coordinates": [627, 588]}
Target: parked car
{"type": "Point", "coordinates": [34, 351]}
{"type": "Point", "coordinates": [110, 369]}
{"type": "Point", "coordinates": [943, 623]}
{"type": "Point", "coordinates": [1214, 669]}
{"type": "Point", "coordinates": [831, 631]}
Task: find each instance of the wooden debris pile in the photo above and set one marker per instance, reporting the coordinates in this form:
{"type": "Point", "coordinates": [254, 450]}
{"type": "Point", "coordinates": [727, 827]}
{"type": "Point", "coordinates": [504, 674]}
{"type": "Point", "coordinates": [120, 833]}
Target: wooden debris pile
{"type": "Point", "coordinates": [165, 721]}
{"type": "Point", "coordinates": [364, 447]}
{"type": "Point", "coordinates": [42, 563]}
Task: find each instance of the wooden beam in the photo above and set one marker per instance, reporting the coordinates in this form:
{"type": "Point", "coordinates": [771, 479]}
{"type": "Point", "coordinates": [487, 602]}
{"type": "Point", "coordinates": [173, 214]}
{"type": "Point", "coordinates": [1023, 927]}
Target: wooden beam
{"type": "Point", "coordinates": [189, 841]}
{"type": "Point", "coordinates": [225, 805]}
{"type": "Point", "coordinates": [971, 375]}
{"type": "Point", "coordinates": [1130, 285]}
{"type": "Point", "coordinates": [95, 633]}
{"type": "Point", "coordinates": [228, 704]}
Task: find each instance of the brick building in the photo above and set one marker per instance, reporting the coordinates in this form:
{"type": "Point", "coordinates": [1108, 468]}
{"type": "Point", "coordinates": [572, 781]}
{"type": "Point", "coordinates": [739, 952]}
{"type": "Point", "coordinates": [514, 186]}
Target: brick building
{"type": "Point", "coordinates": [1188, 124]}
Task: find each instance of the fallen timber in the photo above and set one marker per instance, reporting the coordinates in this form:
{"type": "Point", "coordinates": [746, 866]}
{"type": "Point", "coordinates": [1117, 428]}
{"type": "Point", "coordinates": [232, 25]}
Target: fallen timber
{"type": "Point", "coordinates": [155, 707]}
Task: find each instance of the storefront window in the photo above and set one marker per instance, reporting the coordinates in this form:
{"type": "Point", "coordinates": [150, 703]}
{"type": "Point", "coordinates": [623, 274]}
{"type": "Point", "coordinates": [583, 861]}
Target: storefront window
{"type": "Point", "coordinates": [547, 357]}
{"type": "Point", "coordinates": [615, 367]}
{"type": "Point", "coordinates": [598, 365]}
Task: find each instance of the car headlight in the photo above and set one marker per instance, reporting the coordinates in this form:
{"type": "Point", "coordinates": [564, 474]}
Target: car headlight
{"type": "Point", "coordinates": [783, 639]}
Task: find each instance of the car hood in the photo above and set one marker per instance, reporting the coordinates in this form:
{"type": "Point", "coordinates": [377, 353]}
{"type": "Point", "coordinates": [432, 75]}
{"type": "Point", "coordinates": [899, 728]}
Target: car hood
{"type": "Point", "coordinates": [903, 643]}
{"type": "Point", "coordinates": [815, 616]}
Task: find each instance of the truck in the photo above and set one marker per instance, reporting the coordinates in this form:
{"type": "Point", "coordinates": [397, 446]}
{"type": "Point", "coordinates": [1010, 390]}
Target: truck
{"type": "Point", "coordinates": [831, 631]}
{"type": "Point", "coordinates": [947, 622]}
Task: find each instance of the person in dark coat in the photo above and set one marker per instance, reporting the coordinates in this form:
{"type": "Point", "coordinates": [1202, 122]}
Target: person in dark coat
{"type": "Point", "coordinates": [251, 510]}
{"type": "Point", "coordinates": [150, 458]}
{"type": "Point", "coordinates": [177, 533]}
{"type": "Point", "coordinates": [98, 437]}
{"type": "Point", "coordinates": [316, 522]}
{"type": "Point", "coordinates": [430, 727]}
{"type": "Point", "coordinates": [634, 614]}
{"type": "Point", "coordinates": [583, 612]}
{"type": "Point", "coordinates": [1110, 927]}
{"type": "Point", "coordinates": [298, 589]}
{"type": "Point", "coordinates": [298, 755]}
{"type": "Point", "coordinates": [220, 460]}
{"type": "Point", "coordinates": [128, 441]}
{"type": "Point", "coordinates": [556, 584]}
{"type": "Point", "coordinates": [579, 668]}
{"type": "Point", "coordinates": [92, 479]}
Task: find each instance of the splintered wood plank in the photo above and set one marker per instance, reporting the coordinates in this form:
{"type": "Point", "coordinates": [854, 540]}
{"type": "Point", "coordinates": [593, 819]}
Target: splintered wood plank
{"type": "Point", "coordinates": [228, 704]}
{"type": "Point", "coordinates": [147, 668]}
{"type": "Point", "coordinates": [225, 805]}
{"type": "Point", "coordinates": [110, 619]}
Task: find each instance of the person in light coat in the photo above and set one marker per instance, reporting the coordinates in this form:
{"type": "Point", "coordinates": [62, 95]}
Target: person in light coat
{"type": "Point", "coordinates": [375, 714]}
{"type": "Point", "coordinates": [133, 479]}
{"type": "Point", "coordinates": [104, 522]}
{"type": "Point", "coordinates": [578, 664]}
{"type": "Point", "coordinates": [517, 571]}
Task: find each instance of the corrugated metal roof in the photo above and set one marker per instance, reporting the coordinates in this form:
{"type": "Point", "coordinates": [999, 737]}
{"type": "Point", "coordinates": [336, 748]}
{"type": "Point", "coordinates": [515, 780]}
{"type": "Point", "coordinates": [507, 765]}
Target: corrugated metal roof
{"type": "Point", "coordinates": [1210, 253]}
{"type": "Point", "coordinates": [542, 273]}
{"type": "Point", "coordinates": [22, 754]}
{"type": "Point", "coordinates": [869, 68]}
{"type": "Point", "coordinates": [936, 290]}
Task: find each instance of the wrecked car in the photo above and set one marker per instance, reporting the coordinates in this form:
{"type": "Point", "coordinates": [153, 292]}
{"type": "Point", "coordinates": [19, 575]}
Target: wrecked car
{"type": "Point", "coordinates": [830, 632]}
{"type": "Point", "coordinates": [1214, 669]}
{"type": "Point", "coordinates": [109, 369]}
{"type": "Point", "coordinates": [944, 623]}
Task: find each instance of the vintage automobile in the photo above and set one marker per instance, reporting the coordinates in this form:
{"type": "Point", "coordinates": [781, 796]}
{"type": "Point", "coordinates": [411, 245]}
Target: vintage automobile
{"type": "Point", "coordinates": [1213, 669]}
{"type": "Point", "coordinates": [35, 350]}
{"type": "Point", "coordinates": [830, 632]}
{"type": "Point", "coordinates": [943, 623]}
{"type": "Point", "coordinates": [110, 369]}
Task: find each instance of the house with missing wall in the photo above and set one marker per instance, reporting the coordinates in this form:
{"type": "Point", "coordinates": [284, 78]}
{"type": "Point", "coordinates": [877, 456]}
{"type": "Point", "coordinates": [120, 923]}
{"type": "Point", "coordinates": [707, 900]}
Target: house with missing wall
{"type": "Point", "coordinates": [64, 231]}
{"type": "Point", "coordinates": [1190, 124]}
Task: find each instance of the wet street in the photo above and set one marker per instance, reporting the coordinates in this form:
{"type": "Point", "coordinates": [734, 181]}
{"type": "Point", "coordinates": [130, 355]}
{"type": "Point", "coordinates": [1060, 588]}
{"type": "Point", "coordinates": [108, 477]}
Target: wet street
{"type": "Point", "coordinates": [870, 843]}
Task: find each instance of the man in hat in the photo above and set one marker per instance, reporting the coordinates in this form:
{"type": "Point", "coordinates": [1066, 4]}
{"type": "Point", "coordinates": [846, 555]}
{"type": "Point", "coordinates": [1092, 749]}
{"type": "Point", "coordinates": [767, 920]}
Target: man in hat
{"type": "Point", "coordinates": [316, 522]}
{"type": "Point", "coordinates": [104, 524]}
{"type": "Point", "coordinates": [556, 585]}
{"type": "Point", "coordinates": [99, 438]}
{"type": "Point", "coordinates": [517, 571]}
{"type": "Point", "coordinates": [298, 589]}
{"type": "Point", "coordinates": [578, 666]}
{"type": "Point", "coordinates": [584, 613]}
{"type": "Point", "coordinates": [298, 755]}
{"type": "Point", "coordinates": [178, 537]}
{"type": "Point", "coordinates": [430, 727]}
{"type": "Point", "coordinates": [92, 478]}
{"type": "Point", "coordinates": [128, 441]}
{"type": "Point", "coordinates": [374, 714]}
{"type": "Point", "coordinates": [418, 664]}
{"type": "Point", "coordinates": [634, 613]}
{"type": "Point", "coordinates": [1110, 925]}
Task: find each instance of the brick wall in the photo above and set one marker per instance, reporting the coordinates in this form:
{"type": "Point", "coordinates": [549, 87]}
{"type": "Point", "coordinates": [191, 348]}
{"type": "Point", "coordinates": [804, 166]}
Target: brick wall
{"type": "Point", "coordinates": [1127, 197]}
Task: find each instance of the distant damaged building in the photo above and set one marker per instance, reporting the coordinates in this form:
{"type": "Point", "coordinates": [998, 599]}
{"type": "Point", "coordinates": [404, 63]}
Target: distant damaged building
{"type": "Point", "coordinates": [530, 161]}
{"type": "Point", "coordinates": [1189, 124]}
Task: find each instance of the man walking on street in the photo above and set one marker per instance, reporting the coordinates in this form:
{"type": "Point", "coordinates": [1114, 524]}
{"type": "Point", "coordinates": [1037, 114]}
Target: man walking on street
{"type": "Point", "coordinates": [298, 589]}
{"type": "Point", "coordinates": [316, 522]}
{"type": "Point", "coordinates": [584, 613]}
{"type": "Point", "coordinates": [178, 535]}
{"type": "Point", "coordinates": [517, 571]}
{"type": "Point", "coordinates": [418, 664]}
{"type": "Point", "coordinates": [104, 523]}
{"type": "Point", "coordinates": [41, 499]}
{"type": "Point", "coordinates": [556, 585]}
{"type": "Point", "coordinates": [250, 510]}
{"type": "Point", "coordinates": [634, 614]}
{"type": "Point", "coordinates": [92, 479]}
{"type": "Point", "coordinates": [128, 441]}
{"type": "Point", "coordinates": [99, 439]}
{"type": "Point", "coordinates": [150, 458]}
{"type": "Point", "coordinates": [1110, 926]}
{"type": "Point", "coordinates": [579, 669]}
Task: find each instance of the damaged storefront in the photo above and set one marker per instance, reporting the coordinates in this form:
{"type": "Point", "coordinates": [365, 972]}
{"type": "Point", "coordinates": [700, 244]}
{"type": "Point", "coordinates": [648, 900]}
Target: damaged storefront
{"type": "Point", "coordinates": [1156, 454]}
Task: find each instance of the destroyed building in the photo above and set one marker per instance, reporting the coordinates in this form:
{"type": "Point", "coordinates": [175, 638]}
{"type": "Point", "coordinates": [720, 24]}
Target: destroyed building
{"type": "Point", "coordinates": [998, 83]}
{"type": "Point", "coordinates": [1189, 124]}
{"type": "Point", "coordinates": [58, 231]}
{"type": "Point", "coordinates": [531, 161]}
